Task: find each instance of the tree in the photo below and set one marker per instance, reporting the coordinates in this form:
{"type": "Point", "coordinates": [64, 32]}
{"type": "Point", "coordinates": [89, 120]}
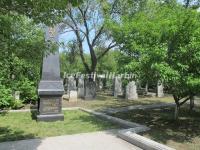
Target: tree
{"type": "Point", "coordinates": [22, 47]}
{"type": "Point", "coordinates": [41, 11]}
{"type": "Point", "coordinates": [70, 59]}
{"type": "Point", "coordinates": [192, 3]}
{"type": "Point", "coordinates": [161, 40]}
{"type": "Point", "coordinates": [22, 44]}
{"type": "Point", "coordinates": [87, 23]}
{"type": "Point", "coordinates": [108, 63]}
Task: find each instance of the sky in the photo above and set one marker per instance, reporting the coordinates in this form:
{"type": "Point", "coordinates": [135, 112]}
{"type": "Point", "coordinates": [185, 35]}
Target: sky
{"type": "Point", "coordinates": [66, 37]}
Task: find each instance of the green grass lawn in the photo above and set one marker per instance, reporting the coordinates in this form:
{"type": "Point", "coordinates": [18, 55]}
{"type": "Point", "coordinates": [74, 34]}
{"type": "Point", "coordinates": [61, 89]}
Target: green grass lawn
{"type": "Point", "coordinates": [104, 100]}
{"type": "Point", "coordinates": [18, 126]}
{"type": "Point", "coordinates": [182, 135]}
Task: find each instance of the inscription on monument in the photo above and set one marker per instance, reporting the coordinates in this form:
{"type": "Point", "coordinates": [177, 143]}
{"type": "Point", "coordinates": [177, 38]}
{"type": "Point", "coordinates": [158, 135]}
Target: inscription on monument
{"type": "Point", "coordinates": [50, 106]}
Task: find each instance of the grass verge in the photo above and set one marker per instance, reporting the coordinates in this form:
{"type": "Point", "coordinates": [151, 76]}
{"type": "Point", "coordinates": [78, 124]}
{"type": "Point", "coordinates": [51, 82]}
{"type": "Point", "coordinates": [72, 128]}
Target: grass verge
{"type": "Point", "coordinates": [18, 126]}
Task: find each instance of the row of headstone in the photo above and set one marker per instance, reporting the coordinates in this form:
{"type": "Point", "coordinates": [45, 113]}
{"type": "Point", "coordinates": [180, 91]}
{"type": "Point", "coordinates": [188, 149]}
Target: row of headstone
{"type": "Point", "coordinates": [86, 89]}
{"type": "Point", "coordinates": [131, 89]}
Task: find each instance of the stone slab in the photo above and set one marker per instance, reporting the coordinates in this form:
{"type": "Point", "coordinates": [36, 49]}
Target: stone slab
{"type": "Point", "coordinates": [49, 87]}
{"type": "Point", "coordinates": [50, 118]}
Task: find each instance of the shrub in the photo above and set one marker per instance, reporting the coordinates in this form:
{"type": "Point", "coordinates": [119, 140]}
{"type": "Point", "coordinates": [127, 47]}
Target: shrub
{"type": "Point", "coordinates": [16, 104]}
{"type": "Point", "coordinates": [27, 91]}
{"type": "Point", "coordinates": [6, 97]}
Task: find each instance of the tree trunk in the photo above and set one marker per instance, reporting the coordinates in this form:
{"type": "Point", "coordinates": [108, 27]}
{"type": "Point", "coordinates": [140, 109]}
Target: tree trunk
{"type": "Point", "coordinates": [176, 113]}
{"type": "Point", "coordinates": [104, 82]}
{"type": "Point", "coordinates": [146, 87]}
{"type": "Point", "coordinates": [187, 3]}
{"type": "Point", "coordinates": [191, 103]}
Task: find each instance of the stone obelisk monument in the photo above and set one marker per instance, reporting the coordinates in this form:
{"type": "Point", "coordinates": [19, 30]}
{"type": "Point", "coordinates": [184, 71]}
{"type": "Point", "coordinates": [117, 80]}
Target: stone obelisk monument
{"type": "Point", "coordinates": [50, 88]}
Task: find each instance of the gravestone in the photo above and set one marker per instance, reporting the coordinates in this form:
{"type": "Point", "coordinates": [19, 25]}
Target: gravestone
{"type": "Point", "coordinates": [131, 91]}
{"type": "Point", "coordinates": [90, 90]}
{"type": "Point", "coordinates": [65, 85]}
{"type": "Point", "coordinates": [81, 92]}
{"type": "Point", "coordinates": [50, 88]}
{"type": "Point", "coordinates": [100, 84]}
{"type": "Point", "coordinates": [71, 84]}
{"type": "Point", "coordinates": [17, 95]}
{"type": "Point", "coordinates": [160, 89]}
{"type": "Point", "coordinates": [73, 96]}
{"type": "Point", "coordinates": [72, 89]}
{"type": "Point", "coordinates": [117, 89]}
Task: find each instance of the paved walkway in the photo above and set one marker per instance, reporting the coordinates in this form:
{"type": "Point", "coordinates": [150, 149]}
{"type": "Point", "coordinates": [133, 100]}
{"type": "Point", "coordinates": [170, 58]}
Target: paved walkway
{"type": "Point", "coordinates": [87, 141]}
{"type": "Point", "coordinates": [135, 107]}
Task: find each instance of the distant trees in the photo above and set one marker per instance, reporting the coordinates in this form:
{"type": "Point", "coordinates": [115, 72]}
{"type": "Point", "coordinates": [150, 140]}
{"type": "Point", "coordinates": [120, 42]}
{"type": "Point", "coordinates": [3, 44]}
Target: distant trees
{"type": "Point", "coordinates": [71, 61]}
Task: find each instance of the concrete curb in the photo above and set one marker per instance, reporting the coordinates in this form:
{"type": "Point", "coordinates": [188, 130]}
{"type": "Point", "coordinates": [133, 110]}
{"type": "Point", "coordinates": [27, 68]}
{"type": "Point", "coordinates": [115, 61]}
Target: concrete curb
{"type": "Point", "coordinates": [140, 141]}
{"type": "Point", "coordinates": [30, 110]}
{"type": "Point", "coordinates": [22, 110]}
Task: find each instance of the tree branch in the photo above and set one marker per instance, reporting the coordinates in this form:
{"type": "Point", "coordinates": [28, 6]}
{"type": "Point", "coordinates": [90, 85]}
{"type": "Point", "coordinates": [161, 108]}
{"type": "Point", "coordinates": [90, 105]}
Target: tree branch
{"type": "Point", "coordinates": [106, 50]}
{"type": "Point", "coordinates": [184, 101]}
{"type": "Point", "coordinates": [97, 35]}
{"type": "Point", "coordinates": [92, 53]}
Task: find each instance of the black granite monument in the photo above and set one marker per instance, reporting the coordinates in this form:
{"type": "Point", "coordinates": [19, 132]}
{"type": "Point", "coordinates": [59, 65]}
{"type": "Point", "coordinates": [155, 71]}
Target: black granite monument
{"type": "Point", "coordinates": [50, 88]}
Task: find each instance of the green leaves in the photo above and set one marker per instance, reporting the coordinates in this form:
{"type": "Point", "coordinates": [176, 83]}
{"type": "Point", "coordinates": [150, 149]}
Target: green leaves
{"type": "Point", "coordinates": [6, 97]}
{"type": "Point", "coordinates": [162, 42]}
{"type": "Point", "coordinates": [41, 11]}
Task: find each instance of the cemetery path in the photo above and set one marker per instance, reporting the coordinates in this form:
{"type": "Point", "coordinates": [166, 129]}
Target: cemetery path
{"type": "Point", "coordinates": [105, 140]}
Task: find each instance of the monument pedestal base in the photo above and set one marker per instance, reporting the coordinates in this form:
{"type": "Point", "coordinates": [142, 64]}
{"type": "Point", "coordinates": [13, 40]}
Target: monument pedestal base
{"type": "Point", "coordinates": [49, 118]}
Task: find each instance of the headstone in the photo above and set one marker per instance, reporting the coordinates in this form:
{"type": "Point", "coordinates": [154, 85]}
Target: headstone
{"type": "Point", "coordinates": [65, 85]}
{"type": "Point", "coordinates": [160, 89]}
{"type": "Point", "coordinates": [100, 84]}
{"type": "Point", "coordinates": [17, 95]}
{"type": "Point", "coordinates": [131, 91]}
{"type": "Point", "coordinates": [73, 96]}
{"type": "Point", "coordinates": [81, 89]}
{"type": "Point", "coordinates": [117, 87]}
{"type": "Point", "coordinates": [50, 88]}
{"type": "Point", "coordinates": [90, 90]}
{"type": "Point", "coordinates": [71, 84]}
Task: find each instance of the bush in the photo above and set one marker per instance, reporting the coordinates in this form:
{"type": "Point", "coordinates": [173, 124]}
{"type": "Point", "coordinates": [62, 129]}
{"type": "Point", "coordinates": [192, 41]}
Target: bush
{"type": "Point", "coordinates": [6, 97]}
{"type": "Point", "coordinates": [16, 104]}
{"type": "Point", "coordinates": [27, 91]}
